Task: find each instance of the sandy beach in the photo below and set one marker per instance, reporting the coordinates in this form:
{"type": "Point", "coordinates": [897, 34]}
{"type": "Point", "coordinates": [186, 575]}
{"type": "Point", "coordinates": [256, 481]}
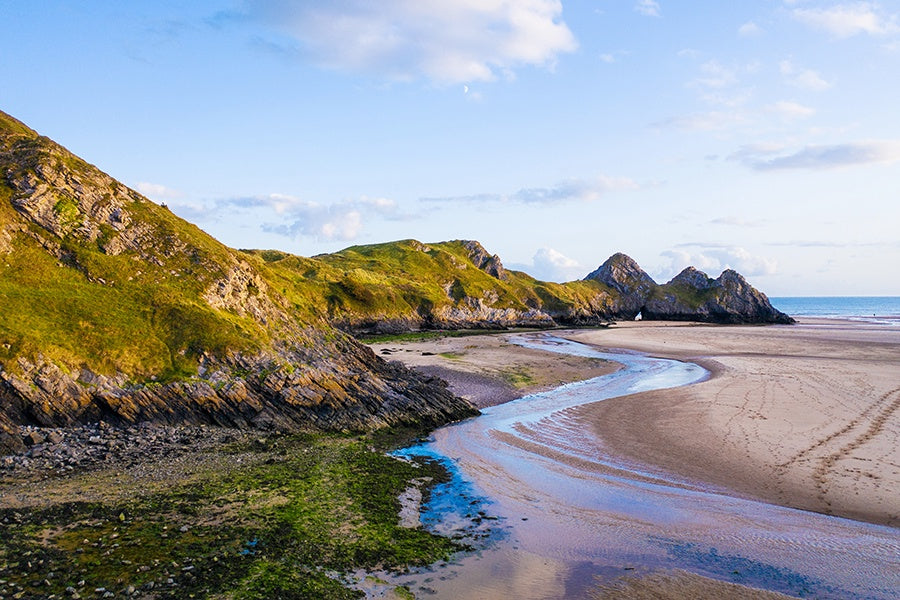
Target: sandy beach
{"type": "Point", "coordinates": [806, 416]}
{"type": "Point", "coordinates": [488, 369]}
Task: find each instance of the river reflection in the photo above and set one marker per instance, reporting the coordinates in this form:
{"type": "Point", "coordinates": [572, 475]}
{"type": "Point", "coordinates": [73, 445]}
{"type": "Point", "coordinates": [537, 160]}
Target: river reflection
{"type": "Point", "coordinates": [568, 513]}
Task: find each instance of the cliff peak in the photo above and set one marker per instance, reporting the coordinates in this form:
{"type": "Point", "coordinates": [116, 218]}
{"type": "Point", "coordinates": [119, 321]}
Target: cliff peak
{"type": "Point", "coordinates": [693, 277]}
{"type": "Point", "coordinates": [487, 262]}
{"type": "Point", "coordinates": [622, 273]}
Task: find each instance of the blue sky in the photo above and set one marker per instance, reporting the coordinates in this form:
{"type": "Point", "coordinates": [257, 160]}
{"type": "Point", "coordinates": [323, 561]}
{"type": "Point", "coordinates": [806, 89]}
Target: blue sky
{"type": "Point", "coordinates": [761, 135]}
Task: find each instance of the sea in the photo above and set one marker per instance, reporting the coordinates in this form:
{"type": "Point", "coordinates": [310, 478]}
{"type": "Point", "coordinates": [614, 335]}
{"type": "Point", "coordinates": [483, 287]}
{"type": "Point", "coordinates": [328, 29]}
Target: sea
{"type": "Point", "coordinates": [883, 310]}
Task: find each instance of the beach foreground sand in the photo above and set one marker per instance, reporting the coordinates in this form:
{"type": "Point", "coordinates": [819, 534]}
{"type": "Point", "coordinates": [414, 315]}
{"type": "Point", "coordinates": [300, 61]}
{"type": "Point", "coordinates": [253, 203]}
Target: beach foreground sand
{"type": "Point", "coordinates": [806, 416]}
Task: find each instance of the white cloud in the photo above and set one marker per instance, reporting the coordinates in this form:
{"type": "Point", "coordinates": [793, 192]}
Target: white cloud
{"type": "Point", "coordinates": [846, 20]}
{"type": "Point", "coordinates": [688, 53]}
{"type": "Point", "coordinates": [819, 157]}
{"type": "Point", "coordinates": [749, 29]}
{"type": "Point", "coordinates": [575, 189]}
{"type": "Point", "coordinates": [648, 8]}
{"type": "Point", "coordinates": [156, 191]}
{"type": "Point", "coordinates": [790, 110]}
{"type": "Point", "coordinates": [552, 265]}
{"type": "Point", "coordinates": [714, 75]}
{"type": "Point", "coordinates": [803, 78]}
{"type": "Point", "coordinates": [715, 258]}
{"type": "Point", "coordinates": [295, 217]}
{"type": "Point", "coordinates": [585, 190]}
{"type": "Point", "coordinates": [337, 221]}
{"type": "Point", "coordinates": [449, 42]}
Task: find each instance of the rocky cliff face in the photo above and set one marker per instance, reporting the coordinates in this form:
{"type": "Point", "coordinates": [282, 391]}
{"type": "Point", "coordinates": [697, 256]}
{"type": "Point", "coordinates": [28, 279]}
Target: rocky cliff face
{"type": "Point", "coordinates": [693, 296]}
{"type": "Point", "coordinates": [354, 390]}
{"type": "Point", "coordinates": [116, 310]}
{"type": "Point", "coordinates": [690, 296]}
{"type": "Point", "coordinates": [623, 274]}
{"type": "Point", "coordinates": [488, 263]}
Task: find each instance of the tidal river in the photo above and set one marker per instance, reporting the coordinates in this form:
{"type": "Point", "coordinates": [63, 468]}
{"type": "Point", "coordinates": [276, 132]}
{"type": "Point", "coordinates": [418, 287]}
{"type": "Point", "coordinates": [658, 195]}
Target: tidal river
{"type": "Point", "coordinates": [567, 514]}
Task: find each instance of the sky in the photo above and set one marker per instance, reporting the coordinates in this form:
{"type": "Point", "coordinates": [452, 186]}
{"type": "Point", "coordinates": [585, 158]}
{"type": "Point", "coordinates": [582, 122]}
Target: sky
{"type": "Point", "coordinates": [761, 135]}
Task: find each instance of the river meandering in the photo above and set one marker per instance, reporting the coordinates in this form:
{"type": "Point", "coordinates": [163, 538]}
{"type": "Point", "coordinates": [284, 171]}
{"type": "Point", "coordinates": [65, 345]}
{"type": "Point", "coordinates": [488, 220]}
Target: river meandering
{"type": "Point", "coordinates": [567, 513]}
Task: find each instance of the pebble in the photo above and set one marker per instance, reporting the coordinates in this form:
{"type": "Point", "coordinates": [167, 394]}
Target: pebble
{"type": "Point", "coordinates": [55, 452]}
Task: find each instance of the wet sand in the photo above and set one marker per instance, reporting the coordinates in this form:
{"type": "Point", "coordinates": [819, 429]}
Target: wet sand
{"type": "Point", "coordinates": [582, 505]}
{"type": "Point", "coordinates": [806, 416]}
{"type": "Point", "coordinates": [488, 370]}
{"type": "Point", "coordinates": [676, 585]}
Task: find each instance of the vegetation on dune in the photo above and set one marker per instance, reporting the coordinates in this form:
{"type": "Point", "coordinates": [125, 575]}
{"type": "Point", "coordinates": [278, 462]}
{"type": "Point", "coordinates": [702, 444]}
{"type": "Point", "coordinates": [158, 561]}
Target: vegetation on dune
{"type": "Point", "coordinates": [284, 517]}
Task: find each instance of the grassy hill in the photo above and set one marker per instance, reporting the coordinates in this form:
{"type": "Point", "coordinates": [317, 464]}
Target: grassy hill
{"type": "Point", "coordinates": [404, 285]}
{"type": "Point", "coordinates": [115, 308]}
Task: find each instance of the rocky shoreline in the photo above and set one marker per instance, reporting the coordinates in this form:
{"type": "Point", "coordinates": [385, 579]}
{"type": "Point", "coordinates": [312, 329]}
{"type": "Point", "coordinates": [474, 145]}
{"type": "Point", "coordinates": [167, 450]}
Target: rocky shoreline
{"type": "Point", "coordinates": [53, 452]}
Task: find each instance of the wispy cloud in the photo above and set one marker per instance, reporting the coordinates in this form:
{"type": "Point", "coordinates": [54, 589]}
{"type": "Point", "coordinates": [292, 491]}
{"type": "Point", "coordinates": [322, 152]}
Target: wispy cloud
{"type": "Point", "coordinates": [571, 190]}
{"type": "Point", "coordinates": [749, 29]}
{"type": "Point", "coordinates": [157, 191]}
{"type": "Point", "coordinates": [846, 20]}
{"type": "Point", "coordinates": [806, 79]}
{"type": "Point", "coordinates": [450, 42]}
{"type": "Point", "coordinates": [648, 8]}
{"type": "Point", "coordinates": [790, 110]}
{"type": "Point", "coordinates": [819, 157]}
{"type": "Point", "coordinates": [295, 217]}
{"type": "Point", "coordinates": [715, 75]}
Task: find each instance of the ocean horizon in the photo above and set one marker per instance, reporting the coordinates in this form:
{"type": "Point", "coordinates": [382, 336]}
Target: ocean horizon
{"type": "Point", "coordinates": [884, 310]}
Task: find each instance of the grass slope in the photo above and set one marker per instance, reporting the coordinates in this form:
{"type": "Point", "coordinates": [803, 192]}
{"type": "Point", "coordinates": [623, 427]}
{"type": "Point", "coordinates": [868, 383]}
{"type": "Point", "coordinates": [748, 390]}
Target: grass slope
{"type": "Point", "coordinates": [69, 298]}
{"type": "Point", "coordinates": [408, 280]}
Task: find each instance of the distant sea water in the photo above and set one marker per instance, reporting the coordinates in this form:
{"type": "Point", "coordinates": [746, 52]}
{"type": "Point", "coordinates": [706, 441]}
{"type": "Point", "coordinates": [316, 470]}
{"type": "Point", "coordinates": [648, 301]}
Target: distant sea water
{"type": "Point", "coordinates": [884, 310]}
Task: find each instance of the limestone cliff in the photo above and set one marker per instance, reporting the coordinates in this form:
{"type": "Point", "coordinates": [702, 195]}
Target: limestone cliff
{"type": "Point", "coordinates": [623, 274]}
{"type": "Point", "coordinates": [694, 296]}
{"type": "Point", "coordinates": [690, 296]}
{"type": "Point", "coordinates": [116, 309]}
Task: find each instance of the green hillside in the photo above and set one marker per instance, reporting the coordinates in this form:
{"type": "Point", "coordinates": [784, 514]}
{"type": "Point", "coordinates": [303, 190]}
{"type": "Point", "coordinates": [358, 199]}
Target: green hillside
{"type": "Point", "coordinates": [400, 285]}
{"type": "Point", "coordinates": [88, 267]}
{"type": "Point", "coordinates": [115, 308]}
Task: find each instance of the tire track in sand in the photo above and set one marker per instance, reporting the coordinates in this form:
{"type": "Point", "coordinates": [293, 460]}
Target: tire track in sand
{"type": "Point", "coordinates": [874, 419]}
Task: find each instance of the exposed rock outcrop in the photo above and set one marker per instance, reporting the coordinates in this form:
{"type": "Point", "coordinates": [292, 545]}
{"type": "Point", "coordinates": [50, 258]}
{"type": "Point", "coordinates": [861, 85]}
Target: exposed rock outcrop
{"type": "Point", "coordinates": [690, 296]}
{"type": "Point", "coordinates": [693, 296]}
{"type": "Point", "coordinates": [359, 392]}
{"type": "Point", "coordinates": [485, 261]}
{"type": "Point", "coordinates": [623, 274]}
{"type": "Point", "coordinates": [117, 310]}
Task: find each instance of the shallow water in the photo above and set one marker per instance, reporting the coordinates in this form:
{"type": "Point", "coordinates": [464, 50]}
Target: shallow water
{"type": "Point", "coordinates": [567, 514]}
